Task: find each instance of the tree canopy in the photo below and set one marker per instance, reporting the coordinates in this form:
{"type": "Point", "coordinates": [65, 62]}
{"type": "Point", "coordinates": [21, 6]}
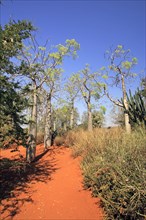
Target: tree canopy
{"type": "Point", "coordinates": [12, 100]}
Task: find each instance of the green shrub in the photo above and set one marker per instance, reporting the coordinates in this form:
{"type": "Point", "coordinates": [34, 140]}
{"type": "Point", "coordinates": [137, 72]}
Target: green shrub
{"type": "Point", "coordinates": [114, 169]}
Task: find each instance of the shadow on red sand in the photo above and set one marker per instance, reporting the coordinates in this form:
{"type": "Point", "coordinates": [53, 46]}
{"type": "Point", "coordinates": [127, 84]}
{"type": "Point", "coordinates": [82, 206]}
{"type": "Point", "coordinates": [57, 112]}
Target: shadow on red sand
{"type": "Point", "coordinates": [16, 176]}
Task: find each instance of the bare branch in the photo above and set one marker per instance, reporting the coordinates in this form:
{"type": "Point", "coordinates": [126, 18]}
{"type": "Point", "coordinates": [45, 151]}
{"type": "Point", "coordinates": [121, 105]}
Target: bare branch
{"type": "Point", "coordinates": [112, 100]}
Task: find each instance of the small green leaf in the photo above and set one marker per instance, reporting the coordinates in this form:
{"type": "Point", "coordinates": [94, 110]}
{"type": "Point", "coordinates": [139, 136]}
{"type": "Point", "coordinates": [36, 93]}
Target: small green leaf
{"type": "Point", "coordinates": [120, 47]}
{"type": "Point", "coordinates": [102, 68]}
{"type": "Point", "coordinates": [134, 60]}
{"type": "Point", "coordinates": [126, 64]}
{"type": "Point", "coordinates": [103, 109]}
{"type": "Point", "coordinates": [42, 48]}
{"type": "Point", "coordinates": [105, 77]}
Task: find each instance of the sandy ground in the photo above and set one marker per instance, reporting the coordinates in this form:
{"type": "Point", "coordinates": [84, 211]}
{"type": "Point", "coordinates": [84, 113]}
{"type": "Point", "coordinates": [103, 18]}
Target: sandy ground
{"type": "Point", "coordinates": [51, 189]}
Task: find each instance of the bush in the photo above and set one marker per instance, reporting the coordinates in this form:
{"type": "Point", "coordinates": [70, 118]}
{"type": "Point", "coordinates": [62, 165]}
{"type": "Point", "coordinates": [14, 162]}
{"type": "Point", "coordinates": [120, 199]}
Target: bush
{"type": "Point", "coordinates": [70, 138]}
{"type": "Point", "coordinates": [40, 138]}
{"type": "Point", "coordinates": [58, 141]}
{"type": "Point", "coordinates": [114, 169]}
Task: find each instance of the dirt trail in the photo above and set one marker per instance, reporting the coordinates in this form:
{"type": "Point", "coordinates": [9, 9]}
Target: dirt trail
{"type": "Point", "coordinates": [52, 190]}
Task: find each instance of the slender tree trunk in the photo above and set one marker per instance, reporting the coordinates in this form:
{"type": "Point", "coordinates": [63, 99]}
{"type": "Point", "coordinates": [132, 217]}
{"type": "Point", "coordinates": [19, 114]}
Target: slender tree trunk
{"type": "Point", "coordinates": [65, 126]}
{"type": "Point", "coordinates": [126, 116]}
{"type": "Point", "coordinates": [90, 126]}
{"type": "Point", "coordinates": [48, 130]}
{"type": "Point", "coordinates": [31, 149]}
{"type": "Point", "coordinates": [54, 125]}
{"type": "Point", "coordinates": [72, 115]}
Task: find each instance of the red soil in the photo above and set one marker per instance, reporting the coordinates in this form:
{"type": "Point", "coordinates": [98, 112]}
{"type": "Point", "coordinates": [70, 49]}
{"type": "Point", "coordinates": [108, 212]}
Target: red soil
{"type": "Point", "coordinates": [52, 189]}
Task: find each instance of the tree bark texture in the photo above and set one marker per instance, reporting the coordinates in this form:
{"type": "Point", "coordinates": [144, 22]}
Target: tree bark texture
{"type": "Point", "coordinates": [48, 130]}
{"type": "Point", "coordinates": [126, 116]}
{"type": "Point", "coordinates": [72, 115]}
{"type": "Point", "coordinates": [90, 126]}
{"type": "Point", "coordinates": [31, 149]}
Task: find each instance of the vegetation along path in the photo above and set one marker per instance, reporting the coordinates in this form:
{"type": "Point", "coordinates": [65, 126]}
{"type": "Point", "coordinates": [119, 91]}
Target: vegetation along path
{"type": "Point", "coordinates": [51, 189]}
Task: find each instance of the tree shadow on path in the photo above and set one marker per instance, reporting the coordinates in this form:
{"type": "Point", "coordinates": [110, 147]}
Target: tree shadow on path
{"type": "Point", "coordinates": [16, 179]}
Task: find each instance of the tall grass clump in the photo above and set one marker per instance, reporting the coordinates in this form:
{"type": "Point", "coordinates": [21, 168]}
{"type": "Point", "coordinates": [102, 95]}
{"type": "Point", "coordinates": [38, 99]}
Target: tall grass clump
{"type": "Point", "coordinates": [114, 169]}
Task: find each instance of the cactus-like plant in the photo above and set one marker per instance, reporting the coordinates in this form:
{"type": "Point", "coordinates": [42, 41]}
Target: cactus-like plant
{"type": "Point", "coordinates": [136, 108]}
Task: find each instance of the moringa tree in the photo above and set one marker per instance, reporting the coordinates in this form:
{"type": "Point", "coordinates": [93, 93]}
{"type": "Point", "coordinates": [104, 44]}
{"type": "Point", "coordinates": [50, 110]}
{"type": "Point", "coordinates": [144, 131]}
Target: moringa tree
{"type": "Point", "coordinates": [34, 60]}
{"type": "Point", "coordinates": [90, 88]}
{"type": "Point", "coordinates": [52, 85]}
{"type": "Point", "coordinates": [43, 71]}
{"type": "Point", "coordinates": [68, 49]}
{"type": "Point", "coordinates": [72, 91]}
{"type": "Point", "coordinates": [121, 64]}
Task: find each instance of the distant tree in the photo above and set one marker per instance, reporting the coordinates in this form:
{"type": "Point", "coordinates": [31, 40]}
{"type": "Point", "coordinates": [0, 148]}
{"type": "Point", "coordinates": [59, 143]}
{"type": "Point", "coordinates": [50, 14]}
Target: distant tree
{"type": "Point", "coordinates": [52, 88]}
{"type": "Point", "coordinates": [117, 114]}
{"type": "Point", "coordinates": [121, 65]}
{"type": "Point", "coordinates": [61, 119]}
{"type": "Point", "coordinates": [97, 119]}
{"type": "Point", "coordinates": [90, 88]}
{"type": "Point", "coordinates": [72, 90]}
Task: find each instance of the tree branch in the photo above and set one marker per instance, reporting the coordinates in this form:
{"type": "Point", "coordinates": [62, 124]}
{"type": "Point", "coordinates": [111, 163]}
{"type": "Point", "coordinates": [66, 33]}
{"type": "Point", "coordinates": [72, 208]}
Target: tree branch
{"type": "Point", "coordinates": [112, 100]}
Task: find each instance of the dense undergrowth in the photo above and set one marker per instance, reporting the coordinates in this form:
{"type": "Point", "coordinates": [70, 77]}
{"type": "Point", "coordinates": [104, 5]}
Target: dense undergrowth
{"type": "Point", "coordinates": [114, 169]}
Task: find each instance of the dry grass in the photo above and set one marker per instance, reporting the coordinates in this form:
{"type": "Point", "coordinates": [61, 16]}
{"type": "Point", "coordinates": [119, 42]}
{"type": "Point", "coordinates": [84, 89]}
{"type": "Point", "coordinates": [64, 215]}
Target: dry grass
{"type": "Point", "coordinates": [58, 141]}
{"type": "Point", "coordinates": [40, 137]}
{"type": "Point", "coordinates": [114, 169]}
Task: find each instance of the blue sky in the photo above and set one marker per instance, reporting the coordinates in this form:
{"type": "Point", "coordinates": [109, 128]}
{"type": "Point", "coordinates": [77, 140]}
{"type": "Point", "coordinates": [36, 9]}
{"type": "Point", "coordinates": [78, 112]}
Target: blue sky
{"type": "Point", "coordinates": [96, 25]}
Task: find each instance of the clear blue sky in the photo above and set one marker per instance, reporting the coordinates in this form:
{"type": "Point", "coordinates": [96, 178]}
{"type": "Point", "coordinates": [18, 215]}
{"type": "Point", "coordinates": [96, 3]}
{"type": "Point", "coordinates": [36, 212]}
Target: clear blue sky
{"type": "Point", "coordinates": [96, 25]}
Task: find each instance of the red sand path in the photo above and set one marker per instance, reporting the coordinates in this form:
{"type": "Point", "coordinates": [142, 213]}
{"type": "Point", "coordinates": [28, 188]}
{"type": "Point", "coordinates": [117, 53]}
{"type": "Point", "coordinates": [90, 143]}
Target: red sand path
{"type": "Point", "coordinates": [55, 192]}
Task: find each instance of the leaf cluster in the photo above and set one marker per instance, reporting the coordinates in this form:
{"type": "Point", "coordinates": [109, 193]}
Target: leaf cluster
{"type": "Point", "coordinates": [12, 105]}
{"type": "Point", "coordinates": [121, 64]}
{"type": "Point", "coordinates": [11, 42]}
{"type": "Point", "coordinates": [12, 99]}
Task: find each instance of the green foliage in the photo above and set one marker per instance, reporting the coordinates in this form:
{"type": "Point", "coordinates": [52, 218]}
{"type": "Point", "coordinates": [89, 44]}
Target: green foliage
{"type": "Point", "coordinates": [61, 117]}
{"type": "Point", "coordinates": [69, 49]}
{"type": "Point", "coordinates": [73, 47]}
{"type": "Point", "coordinates": [126, 64]}
{"type": "Point", "coordinates": [11, 41]}
{"type": "Point", "coordinates": [72, 88]}
{"type": "Point", "coordinates": [136, 108]}
{"type": "Point", "coordinates": [90, 80]}
{"type": "Point", "coordinates": [90, 85]}
{"type": "Point", "coordinates": [114, 169]}
{"type": "Point", "coordinates": [97, 119]}
{"type": "Point", "coordinates": [11, 119]}
{"type": "Point", "coordinates": [143, 92]}
{"type": "Point", "coordinates": [121, 64]}
{"type": "Point", "coordinates": [12, 99]}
